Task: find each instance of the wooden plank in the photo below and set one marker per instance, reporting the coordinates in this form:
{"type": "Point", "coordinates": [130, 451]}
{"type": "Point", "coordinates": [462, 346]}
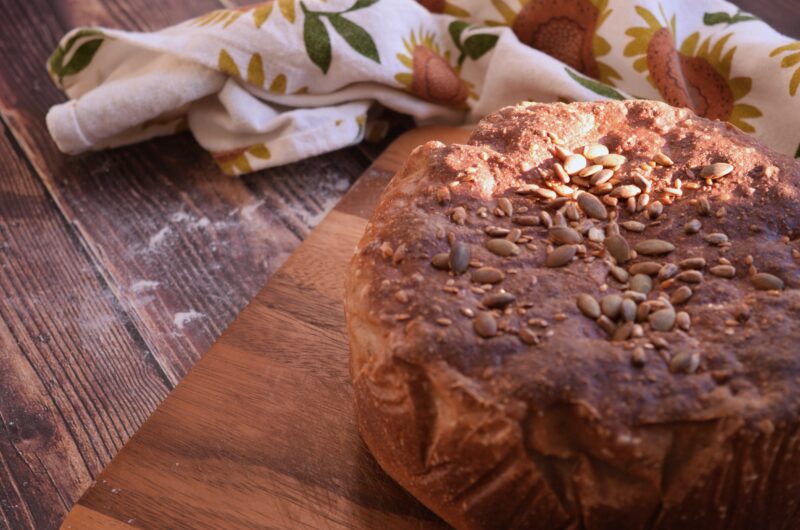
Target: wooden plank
{"type": "Point", "coordinates": [183, 247]}
{"type": "Point", "coordinates": [783, 15]}
{"type": "Point", "coordinates": [261, 433]}
{"type": "Point", "coordinates": [75, 378]}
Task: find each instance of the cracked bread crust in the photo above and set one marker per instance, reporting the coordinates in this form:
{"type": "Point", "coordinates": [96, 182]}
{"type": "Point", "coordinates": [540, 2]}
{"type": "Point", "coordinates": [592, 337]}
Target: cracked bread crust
{"type": "Point", "coordinates": [569, 433]}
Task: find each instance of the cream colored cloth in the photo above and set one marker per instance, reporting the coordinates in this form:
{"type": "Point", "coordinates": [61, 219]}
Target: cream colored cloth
{"type": "Point", "coordinates": [276, 82]}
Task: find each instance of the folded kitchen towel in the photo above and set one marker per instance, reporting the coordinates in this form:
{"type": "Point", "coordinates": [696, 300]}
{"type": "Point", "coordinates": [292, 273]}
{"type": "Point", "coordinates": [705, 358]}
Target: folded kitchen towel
{"type": "Point", "coordinates": [276, 82]}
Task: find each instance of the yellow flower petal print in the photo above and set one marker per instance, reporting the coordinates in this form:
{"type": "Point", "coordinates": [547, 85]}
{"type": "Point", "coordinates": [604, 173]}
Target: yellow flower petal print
{"type": "Point", "coordinates": [226, 65]}
{"type": "Point", "coordinates": [255, 71]}
{"type": "Point", "coordinates": [261, 13]}
{"type": "Point", "coordinates": [287, 9]}
{"type": "Point", "coordinates": [696, 75]}
{"type": "Point", "coordinates": [236, 161]}
{"type": "Point", "coordinates": [788, 61]}
{"type": "Point", "coordinates": [564, 29]}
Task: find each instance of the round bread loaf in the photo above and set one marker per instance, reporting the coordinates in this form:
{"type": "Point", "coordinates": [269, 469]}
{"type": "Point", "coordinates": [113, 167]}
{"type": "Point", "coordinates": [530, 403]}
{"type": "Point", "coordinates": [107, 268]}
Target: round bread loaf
{"type": "Point", "coordinates": [547, 336]}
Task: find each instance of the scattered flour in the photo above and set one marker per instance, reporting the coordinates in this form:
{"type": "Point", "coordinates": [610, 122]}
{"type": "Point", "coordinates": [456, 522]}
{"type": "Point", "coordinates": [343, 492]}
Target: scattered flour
{"type": "Point", "coordinates": [249, 211]}
{"type": "Point", "coordinates": [200, 223]}
{"type": "Point", "coordinates": [184, 317]}
{"type": "Point", "coordinates": [179, 217]}
{"type": "Point", "coordinates": [159, 237]}
{"type": "Point", "coordinates": [143, 286]}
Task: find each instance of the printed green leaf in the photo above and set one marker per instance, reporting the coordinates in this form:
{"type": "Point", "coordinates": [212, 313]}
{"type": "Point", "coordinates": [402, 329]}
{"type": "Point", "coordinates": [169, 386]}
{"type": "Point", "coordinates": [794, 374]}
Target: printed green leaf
{"type": "Point", "coordinates": [456, 28]}
{"type": "Point", "coordinates": [596, 86]}
{"type": "Point", "coordinates": [317, 40]}
{"type": "Point", "coordinates": [477, 45]}
{"type": "Point", "coordinates": [720, 17]}
{"type": "Point", "coordinates": [82, 56]}
{"type": "Point", "coordinates": [356, 36]}
{"type": "Point", "coordinates": [360, 4]}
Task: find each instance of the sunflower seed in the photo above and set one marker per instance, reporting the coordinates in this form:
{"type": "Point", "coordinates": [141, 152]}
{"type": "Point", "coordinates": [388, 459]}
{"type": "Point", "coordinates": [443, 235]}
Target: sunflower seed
{"type": "Point", "coordinates": [606, 324]}
{"type": "Point", "coordinates": [764, 281]}
{"type": "Point", "coordinates": [441, 261]}
{"type": "Point", "coordinates": [545, 219]}
{"type": "Point", "coordinates": [703, 207]}
{"type": "Point", "coordinates": [663, 319]}
{"type": "Point", "coordinates": [633, 226]}
{"type": "Point", "coordinates": [571, 212]}
{"type": "Point", "coordinates": [589, 171]}
{"type": "Point", "coordinates": [602, 189]}
{"type": "Point", "coordinates": [574, 163]}
{"type": "Point", "coordinates": [487, 275]}
{"type": "Point", "coordinates": [619, 274]}
{"type": "Point", "coordinates": [693, 226]}
{"type": "Point", "coordinates": [641, 283]}
{"type": "Point", "coordinates": [514, 235]}
{"type": "Point", "coordinates": [623, 332]}
{"type": "Point", "coordinates": [667, 271]}
{"type": "Point", "coordinates": [625, 192]}
{"type": "Point", "coordinates": [642, 311]}
{"type": "Point", "coordinates": [529, 337]}
{"type": "Point", "coordinates": [654, 209]}
{"type": "Point", "coordinates": [562, 235]}
{"type": "Point", "coordinates": [681, 295]}
{"type": "Point", "coordinates": [560, 256]}
{"type": "Point", "coordinates": [612, 229]}
{"type": "Point", "coordinates": [459, 215]}
{"type": "Point", "coordinates": [496, 231]}
{"type": "Point", "coordinates": [662, 159]}
{"type": "Point", "coordinates": [693, 263]}
{"type": "Point", "coordinates": [654, 247]}
{"type": "Point", "coordinates": [601, 177]}
{"type": "Point", "coordinates": [588, 306]}
{"type": "Point", "coordinates": [525, 220]}
{"type": "Point", "coordinates": [545, 193]}
{"type": "Point", "coordinates": [497, 300]}
{"type": "Point", "coordinates": [645, 267]}
{"type": "Point", "coordinates": [690, 276]}
{"type": "Point", "coordinates": [527, 189]}
{"type": "Point", "coordinates": [561, 173]}
{"type": "Point", "coordinates": [618, 247]}
{"type": "Point", "coordinates": [638, 357]}
{"type": "Point", "coordinates": [611, 305]}
{"type": "Point", "coordinates": [643, 182]}
{"type": "Point", "coordinates": [683, 320]}
{"type": "Point", "coordinates": [485, 325]}
{"type": "Point", "coordinates": [502, 247]}
{"type": "Point", "coordinates": [559, 220]}
{"type": "Point", "coordinates": [716, 238]}
{"type": "Point", "coordinates": [685, 362]}
{"type": "Point", "coordinates": [593, 151]}
{"type": "Point", "coordinates": [459, 257]}
{"type": "Point", "coordinates": [716, 170]}
{"type": "Point", "coordinates": [505, 206]}
{"type": "Point", "coordinates": [642, 201]}
{"type": "Point", "coordinates": [610, 160]}
{"type": "Point", "coordinates": [628, 310]}
{"type": "Point", "coordinates": [561, 152]}
{"type": "Point", "coordinates": [723, 271]}
{"type": "Point", "coordinates": [592, 206]}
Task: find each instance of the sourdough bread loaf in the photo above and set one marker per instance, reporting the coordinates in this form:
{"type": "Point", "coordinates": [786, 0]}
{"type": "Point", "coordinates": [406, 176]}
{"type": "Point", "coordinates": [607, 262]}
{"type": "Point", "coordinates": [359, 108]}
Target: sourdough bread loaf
{"type": "Point", "coordinates": [586, 317]}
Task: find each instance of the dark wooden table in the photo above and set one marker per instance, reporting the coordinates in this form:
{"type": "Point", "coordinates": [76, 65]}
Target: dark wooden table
{"type": "Point", "coordinates": [119, 269]}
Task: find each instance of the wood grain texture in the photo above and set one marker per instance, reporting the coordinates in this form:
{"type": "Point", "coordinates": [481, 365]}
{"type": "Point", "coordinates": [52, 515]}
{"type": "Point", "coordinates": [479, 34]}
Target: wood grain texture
{"type": "Point", "coordinates": [75, 378]}
{"type": "Point", "coordinates": [783, 15]}
{"type": "Point", "coordinates": [261, 433]}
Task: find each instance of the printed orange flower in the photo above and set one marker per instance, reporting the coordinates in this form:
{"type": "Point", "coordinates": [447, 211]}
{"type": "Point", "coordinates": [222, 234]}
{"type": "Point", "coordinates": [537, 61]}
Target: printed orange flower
{"type": "Point", "coordinates": [430, 75]}
{"type": "Point", "coordinates": [564, 29]}
{"type": "Point", "coordinates": [788, 61]}
{"type": "Point", "coordinates": [442, 6]}
{"type": "Point", "coordinates": [697, 77]}
{"type": "Point", "coordinates": [237, 161]}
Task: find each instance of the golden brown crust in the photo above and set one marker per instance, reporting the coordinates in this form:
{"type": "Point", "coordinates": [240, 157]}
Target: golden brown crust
{"type": "Point", "coordinates": [569, 432]}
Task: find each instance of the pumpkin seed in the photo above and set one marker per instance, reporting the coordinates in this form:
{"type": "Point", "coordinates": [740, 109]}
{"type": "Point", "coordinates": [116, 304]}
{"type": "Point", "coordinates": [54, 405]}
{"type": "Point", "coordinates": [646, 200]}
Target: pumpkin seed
{"type": "Point", "coordinates": [716, 238]}
{"type": "Point", "coordinates": [601, 177]}
{"type": "Point", "coordinates": [628, 310]}
{"type": "Point", "coordinates": [593, 151]}
{"type": "Point", "coordinates": [617, 246]}
{"type": "Point", "coordinates": [683, 320]}
{"type": "Point", "coordinates": [619, 274]}
{"type": "Point", "coordinates": [588, 306]}
{"type": "Point", "coordinates": [441, 261]}
{"type": "Point", "coordinates": [611, 305]}
{"type": "Point", "coordinates": [560, 256]}
{"type": "Point", "coordinates": [645, 267]}
{"type": "Point", "coordinates": [654, 247]}
{"type": "Point", "coordinates": [487, 275]}
{"type": "Point", "coordinates": [497, 300]}
{"type": "Point", "coordinates": [560, 172]}
{"type": "Point", "coordinates": [545, 219]}
{"type": "Point", "coordinates": [596, 235]}
{"type": "Point", "coordinates": [571, 212]}
{"type": "Point", "coordinates": [693, 263]}
{"type": "Point", "coordinates": [610, 160]}
{"type": "Point", "coordinates": [529, 337]}
{"type": "Point", "coordinates": [502, 247]}
{"type": "Point", "coordinates": [685, 362]}
{"type": "Point", "coordinates": [606, 324]}
{"type": "Point", "coordinates": [633, 226]}
{"type": "Point", "coordinates": [588, 171]}
{"type": "Point", "coordinates": [667, 271]}
{"type": "Point", "coordinates": [723, 271]}
{"type": "Point", "coordinates": [623, 332]}
{"type": "Point", "coordinates": [681, 295]}
{"type": "Point", "coordinates": [592, 206]}
{"type": "Point", "coordinates": [716, 170]}
{"type": "Point", "coordinates": [562, 235]}
{"type": "Point", "coordinates": [764, 281]}
{"type": "Point", "coordinates": [574, 163]}
{"type": "Point", "coordinates": [627, 191]}
{"type": "Point", "coordinates": [485, 325]}
{"type": "Point", "coordinates": [690, 276]}
{"type": "Point", "coordinates": [642, 283]}
{"type": "Point", "coordinates": [459, 257]}
{"type": "Point", "coordinates": [505, 206]}
{"type": "Point", "coordinates": [663, 319]}
{"type": "Point", "coordinates": [693, 226]}
{"type": "Point", "coordinates": [525, 220]}
{"type": "Point", "coordinates": [662, 159]}
{"type": "Point", "coordinates": [655, 209]}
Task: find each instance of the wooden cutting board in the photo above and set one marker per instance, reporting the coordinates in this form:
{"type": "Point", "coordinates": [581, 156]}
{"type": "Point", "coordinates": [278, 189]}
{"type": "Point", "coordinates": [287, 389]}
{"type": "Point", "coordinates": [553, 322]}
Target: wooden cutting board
{"type": "Point", "coordinates": [261, 433]}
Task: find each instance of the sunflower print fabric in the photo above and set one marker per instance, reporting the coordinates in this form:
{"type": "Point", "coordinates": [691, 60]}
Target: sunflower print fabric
{"type": "Point", "coordinates": [274, 82]}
